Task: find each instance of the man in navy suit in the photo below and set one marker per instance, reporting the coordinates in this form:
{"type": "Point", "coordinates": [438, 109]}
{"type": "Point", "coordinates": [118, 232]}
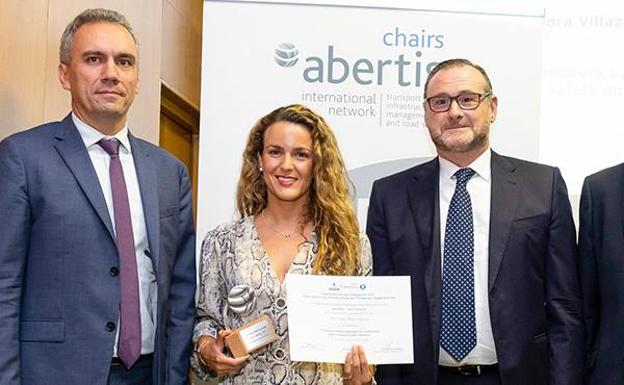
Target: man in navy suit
{"type": "Point", "coordinates": [601, 248]}
{"type": "Point", "coordinates": [97, 268]}
{"type": "Point", "coordinates": [489, 243]}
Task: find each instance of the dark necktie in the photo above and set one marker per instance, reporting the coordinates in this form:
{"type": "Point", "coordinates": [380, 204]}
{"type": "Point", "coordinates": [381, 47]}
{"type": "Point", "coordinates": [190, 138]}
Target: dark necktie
{"type": "Point", "coordinates": [129, 345]}
{"type": "Point", "coordinates": [458, 334]}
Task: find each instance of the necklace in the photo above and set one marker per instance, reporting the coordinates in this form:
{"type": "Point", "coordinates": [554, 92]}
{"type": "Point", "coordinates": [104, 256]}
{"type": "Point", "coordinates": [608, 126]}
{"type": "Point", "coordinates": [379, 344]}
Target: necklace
{"type": "Point", "coordinates": [283, 234]}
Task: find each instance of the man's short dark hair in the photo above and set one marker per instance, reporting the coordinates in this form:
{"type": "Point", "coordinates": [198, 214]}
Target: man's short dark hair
{"type": "Point", "coordinates": [459, 62]}
{"type": "Point", "coordinates": [94, 15]}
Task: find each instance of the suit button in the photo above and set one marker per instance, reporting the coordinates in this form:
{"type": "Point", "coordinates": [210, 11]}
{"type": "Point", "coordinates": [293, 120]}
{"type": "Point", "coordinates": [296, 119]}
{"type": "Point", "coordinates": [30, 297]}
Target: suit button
{"type": "Point", "coordinates": [114, 271]}
{"type": "Point", "coordinates": [110, 326]}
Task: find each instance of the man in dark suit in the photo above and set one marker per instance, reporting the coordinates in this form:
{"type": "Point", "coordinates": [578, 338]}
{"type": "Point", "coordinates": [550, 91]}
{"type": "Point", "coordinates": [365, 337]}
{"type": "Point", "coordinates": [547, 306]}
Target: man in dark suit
{"type": "Point", "coordinates": [489, 243]}
{"type": "Point", "coordinates": [601, 248]}
{"type": "Point", "coordinates": [97, 268]}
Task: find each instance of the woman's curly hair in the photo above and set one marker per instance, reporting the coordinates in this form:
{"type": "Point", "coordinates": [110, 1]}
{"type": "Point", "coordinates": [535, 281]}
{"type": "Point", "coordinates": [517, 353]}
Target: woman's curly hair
{"type": "Point", "coordinates": [329, 206]}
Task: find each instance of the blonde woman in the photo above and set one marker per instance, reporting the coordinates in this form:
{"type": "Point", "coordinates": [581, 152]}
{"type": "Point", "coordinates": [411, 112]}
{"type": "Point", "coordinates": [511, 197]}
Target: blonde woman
{"type": "Point", "coordinates": [296, 218]}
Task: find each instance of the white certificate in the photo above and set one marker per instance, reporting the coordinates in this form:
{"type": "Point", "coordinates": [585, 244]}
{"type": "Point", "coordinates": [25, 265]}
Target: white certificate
{"type": "Point", "coordinates": [327, 315]}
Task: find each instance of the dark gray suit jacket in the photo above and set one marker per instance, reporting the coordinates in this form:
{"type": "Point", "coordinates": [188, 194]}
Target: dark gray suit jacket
{"type": "Point", "coordinates": [534, 296]}
{"type": "Point", "coordinates": [601, 247]}
{"type": "Point", "coordinates": [58, 296]}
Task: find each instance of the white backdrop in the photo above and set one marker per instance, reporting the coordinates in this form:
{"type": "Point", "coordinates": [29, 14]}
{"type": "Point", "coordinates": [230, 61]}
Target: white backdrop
{"type": "Point", "coordinates": [363, 69]}
{"type": "Point", "coordinates": [583, 88]}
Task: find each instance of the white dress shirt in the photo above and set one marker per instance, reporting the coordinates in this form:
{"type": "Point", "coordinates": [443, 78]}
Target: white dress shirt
{"type": "Point", "coordinates": [480, 189]}
{"type": "Point", "coordinates": [147, 279]}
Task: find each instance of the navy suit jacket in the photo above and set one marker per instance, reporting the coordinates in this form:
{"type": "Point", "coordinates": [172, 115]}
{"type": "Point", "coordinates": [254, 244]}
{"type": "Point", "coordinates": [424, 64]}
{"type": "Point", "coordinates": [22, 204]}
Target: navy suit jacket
{"type": "Point", "coordinates": [534, 296]}
{"type": "Point", "coordinates": [57, 292]}
{"type": "Point", "coordinates": [601, 247]}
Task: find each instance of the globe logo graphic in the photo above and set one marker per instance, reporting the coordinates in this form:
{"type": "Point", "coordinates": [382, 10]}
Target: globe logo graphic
{"type": "Point", "coordinates": [286, 55]}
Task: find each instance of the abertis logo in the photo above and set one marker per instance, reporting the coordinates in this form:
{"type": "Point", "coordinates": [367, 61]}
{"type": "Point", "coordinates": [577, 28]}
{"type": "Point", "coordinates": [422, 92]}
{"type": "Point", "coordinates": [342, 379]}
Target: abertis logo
{"type": "Point", "coordinates": [286, 55]}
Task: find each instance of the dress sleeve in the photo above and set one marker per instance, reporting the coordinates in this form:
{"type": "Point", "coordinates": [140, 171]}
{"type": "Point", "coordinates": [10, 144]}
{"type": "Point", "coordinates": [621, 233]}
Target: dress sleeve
{"type": "Point", "coordinates": [366, 256]}
{"type": "Point", "coordinates": [212, 299]}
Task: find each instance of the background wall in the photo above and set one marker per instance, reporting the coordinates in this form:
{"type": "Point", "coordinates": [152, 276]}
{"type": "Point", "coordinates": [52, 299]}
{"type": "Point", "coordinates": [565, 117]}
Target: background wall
{"type": "Point", "coordinates": [181, 47]}
{"type": "Point", "coordinates": [169, 34]}
{"type": "Point", "coordinates": [374, 110]}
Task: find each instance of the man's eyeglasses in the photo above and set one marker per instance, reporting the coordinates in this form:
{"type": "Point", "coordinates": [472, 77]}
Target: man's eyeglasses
{"type": "Point", "coordinates": [465, 101]}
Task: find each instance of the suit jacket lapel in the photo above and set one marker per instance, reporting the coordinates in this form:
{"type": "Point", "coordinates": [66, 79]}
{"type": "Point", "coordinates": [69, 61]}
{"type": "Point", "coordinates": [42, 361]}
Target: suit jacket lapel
{"type": "Point", "coordinates": [424, 205]}
{"type": "Point", "coordinates": [71, 148]}
{"type": "Point", "coordinates": [506, 188]}
{"type": "Point", "coordinates": [148, 183]}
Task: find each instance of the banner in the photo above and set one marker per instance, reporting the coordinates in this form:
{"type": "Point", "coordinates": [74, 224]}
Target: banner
{"type": "Point", "coordinates": [363, 69]}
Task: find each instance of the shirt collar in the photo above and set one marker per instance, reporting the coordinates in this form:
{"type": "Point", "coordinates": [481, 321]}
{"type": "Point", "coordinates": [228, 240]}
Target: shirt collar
{"type": "Point", "coordinates": [90, 136]}
{"type": "Point", "coordinates": [482, 166]}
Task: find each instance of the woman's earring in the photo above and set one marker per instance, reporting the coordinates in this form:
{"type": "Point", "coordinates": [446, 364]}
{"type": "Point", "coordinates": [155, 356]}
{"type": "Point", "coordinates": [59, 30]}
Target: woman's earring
{"type": "Point", "coordinates": [261, 169]}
